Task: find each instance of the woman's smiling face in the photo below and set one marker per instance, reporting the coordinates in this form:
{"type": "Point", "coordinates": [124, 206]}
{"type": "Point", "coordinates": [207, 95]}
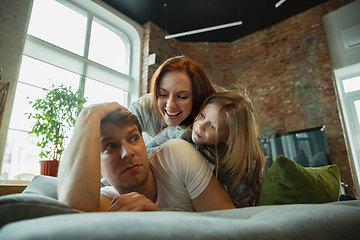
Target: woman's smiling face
{"type": "Point", "coordinates": [175, 97]}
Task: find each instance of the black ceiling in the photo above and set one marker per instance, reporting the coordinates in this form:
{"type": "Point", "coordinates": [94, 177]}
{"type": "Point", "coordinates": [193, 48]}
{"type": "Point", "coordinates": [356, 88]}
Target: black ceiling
{"type": "Point", "coordinates": [186, 15]}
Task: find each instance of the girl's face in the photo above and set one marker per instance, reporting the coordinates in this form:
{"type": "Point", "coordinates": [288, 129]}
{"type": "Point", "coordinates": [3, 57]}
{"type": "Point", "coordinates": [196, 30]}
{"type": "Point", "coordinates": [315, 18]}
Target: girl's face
{"type": "Point", "coordinates": [175, 97]}
{"type": "Point", "coordinates": [204, 128]}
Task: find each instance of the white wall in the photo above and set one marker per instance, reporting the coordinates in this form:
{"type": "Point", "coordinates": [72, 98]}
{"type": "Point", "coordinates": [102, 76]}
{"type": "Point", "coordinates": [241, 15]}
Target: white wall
{"type": "Point", "coordinates": [341, 59]}
{"type": "Point", "coordinates": [14, 21]}
{"type": "Point", "coordinates": [336, 21]}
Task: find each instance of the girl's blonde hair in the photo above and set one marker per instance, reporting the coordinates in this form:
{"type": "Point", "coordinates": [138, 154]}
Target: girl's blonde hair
{"type": "Point", "coordinates": [243, 158]}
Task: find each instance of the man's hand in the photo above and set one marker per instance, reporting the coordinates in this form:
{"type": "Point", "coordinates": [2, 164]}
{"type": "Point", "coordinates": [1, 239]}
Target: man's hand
{"type": "Point", "coordinates": [132, 202]}
{"type": "Point", "coordinates": [102, 109]}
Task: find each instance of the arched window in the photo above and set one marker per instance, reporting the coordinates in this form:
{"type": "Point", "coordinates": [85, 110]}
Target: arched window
{"type": "Point", "coordinates": [77, 44]}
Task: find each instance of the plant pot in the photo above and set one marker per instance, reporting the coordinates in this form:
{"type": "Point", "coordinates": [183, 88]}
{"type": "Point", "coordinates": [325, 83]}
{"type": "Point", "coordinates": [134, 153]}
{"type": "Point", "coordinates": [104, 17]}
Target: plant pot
{"type": "Point", "coordinates": [49, 167]}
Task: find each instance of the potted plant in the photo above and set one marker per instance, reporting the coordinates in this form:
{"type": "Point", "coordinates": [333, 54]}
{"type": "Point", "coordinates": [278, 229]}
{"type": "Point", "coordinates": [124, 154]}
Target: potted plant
{"type": "Point", "coordinates": [55, 115]}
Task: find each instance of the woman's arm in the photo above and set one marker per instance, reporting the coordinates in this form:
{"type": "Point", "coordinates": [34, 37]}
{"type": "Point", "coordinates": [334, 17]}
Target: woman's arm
{"type": "Point", "coordinates": [149, 119]}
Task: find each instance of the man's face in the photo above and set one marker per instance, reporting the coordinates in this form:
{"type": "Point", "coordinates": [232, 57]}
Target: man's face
{"type": "Point", "coordinates": [124, 160]}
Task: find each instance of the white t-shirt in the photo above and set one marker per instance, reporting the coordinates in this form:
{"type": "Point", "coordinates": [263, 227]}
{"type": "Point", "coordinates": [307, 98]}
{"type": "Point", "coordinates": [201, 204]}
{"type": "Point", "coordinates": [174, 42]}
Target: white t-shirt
{"type": "Point", "coordinates": [181, 174]}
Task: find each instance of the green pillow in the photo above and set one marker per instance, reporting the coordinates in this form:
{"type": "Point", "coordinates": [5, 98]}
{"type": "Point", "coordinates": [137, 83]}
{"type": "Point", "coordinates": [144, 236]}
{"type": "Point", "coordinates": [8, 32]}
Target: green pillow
{"type": "Point", "coordinates": [287, 182]}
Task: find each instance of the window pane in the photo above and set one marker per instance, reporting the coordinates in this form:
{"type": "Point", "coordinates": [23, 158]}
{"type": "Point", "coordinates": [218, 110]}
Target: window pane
{"type": "Point", "coordinates": [98, 92]}
{"type": "Point", "coordinates": [107, 48]}
{"type": "Point", "coordinates": [21, 106]}
{"type": "Point", "coordinates": [357, 107]}
{"type": "Point", "coordinates": [21, 159]}
{"type": "Point", "coordinates": [59, 25]}
{"type": "Point", "coordinates": [351, 84]}
{"type": "Point", "coordinates": [35, 75]}
{"type": "Point", "coordinates": [21, 156]}
{"type": "Point", "coordinates": [38, 73]}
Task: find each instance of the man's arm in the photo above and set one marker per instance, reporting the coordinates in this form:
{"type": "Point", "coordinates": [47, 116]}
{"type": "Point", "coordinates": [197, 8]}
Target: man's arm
{"type": "Point", "coordinates": [132, 201]}
{"type": "Point", "coordinates": [214, 197]}
{"type": "Point", "coordinates": [79, 171]}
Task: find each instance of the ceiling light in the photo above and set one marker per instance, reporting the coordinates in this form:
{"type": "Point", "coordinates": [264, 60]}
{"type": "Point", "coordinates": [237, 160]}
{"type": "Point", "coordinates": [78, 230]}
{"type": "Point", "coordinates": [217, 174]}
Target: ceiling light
{"type": "Point", "coordinates": [279, 3]}
{"type": "Point", "coordinates": [204, 30]}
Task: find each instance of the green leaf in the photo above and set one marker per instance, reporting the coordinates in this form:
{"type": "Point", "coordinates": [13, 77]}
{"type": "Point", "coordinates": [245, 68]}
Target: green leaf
{"type": "Point", "coordinates": [55, 114]}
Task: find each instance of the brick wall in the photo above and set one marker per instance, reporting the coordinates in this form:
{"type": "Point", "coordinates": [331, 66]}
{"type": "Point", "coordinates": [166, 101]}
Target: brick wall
{"type": "Point", "coordinates": [286, 68]}
{"type": "Point", "coordinates": [216, 58]}
{"type": "Point", "coordinates": [154, 42]}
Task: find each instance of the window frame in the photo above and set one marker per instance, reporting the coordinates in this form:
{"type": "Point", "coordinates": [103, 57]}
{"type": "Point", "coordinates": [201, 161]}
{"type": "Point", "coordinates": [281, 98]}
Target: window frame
{"type": "Point", "coordinates": [134, 36]}
{"type": "Point", "coordinates": [133, 31]}
{"type": "Point", "coordinates": [350, 118]}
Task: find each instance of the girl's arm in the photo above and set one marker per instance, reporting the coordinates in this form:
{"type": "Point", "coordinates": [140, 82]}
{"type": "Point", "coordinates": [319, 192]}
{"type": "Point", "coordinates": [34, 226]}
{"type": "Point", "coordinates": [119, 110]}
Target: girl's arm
{"type": "Point", "coordinates": [149, 119]}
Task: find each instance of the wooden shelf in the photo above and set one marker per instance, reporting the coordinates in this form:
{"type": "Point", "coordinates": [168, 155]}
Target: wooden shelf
{"type": "Point", "coordinates": [11, 189]}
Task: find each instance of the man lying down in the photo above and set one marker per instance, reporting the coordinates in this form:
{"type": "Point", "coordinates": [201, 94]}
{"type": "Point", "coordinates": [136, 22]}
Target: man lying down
{"type": "Point", "coordinates": [107, 140]}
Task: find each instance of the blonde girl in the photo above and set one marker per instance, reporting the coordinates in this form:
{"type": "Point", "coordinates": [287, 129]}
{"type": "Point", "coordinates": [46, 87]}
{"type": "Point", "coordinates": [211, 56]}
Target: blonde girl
{"type": "Point", "coordinates": [225, 132]}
